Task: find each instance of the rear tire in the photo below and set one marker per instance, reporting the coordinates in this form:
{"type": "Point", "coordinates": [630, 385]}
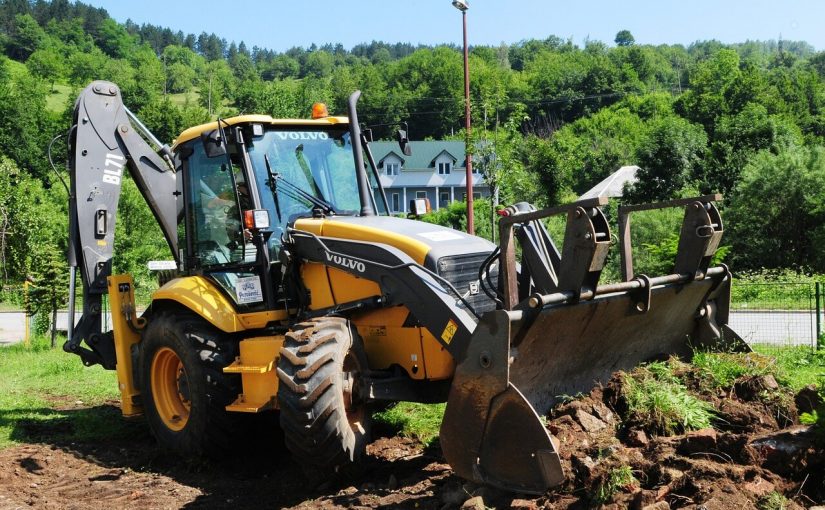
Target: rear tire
{"type": "Point", "coordinates": [185, 392]}
{"type": "Point", "coordinates": [326, 423]}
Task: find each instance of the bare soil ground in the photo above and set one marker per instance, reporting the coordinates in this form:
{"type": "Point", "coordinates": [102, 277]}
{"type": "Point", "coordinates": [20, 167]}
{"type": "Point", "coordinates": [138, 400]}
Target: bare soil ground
{"type": "Point", "coordinates": [755, 451]}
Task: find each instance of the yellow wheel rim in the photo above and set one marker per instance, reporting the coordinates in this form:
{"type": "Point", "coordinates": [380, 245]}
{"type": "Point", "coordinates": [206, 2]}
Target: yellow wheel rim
{"type": "Point", "coordinates": [170, 388]}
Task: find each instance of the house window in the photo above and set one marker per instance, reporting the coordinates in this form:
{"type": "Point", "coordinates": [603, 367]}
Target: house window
{"type": "Point", "coordinates": [476, 195]}
{"type": "Point", "coordinates": [420, 194]}
{"type": "Point", "coordinates": [444, 168]}
{"type": "Point", "coordinates": [444, 198]}
{"type": "Point", "coordinates": [391, 168]}
{"type": "Point", "coordinates": [396, 202]}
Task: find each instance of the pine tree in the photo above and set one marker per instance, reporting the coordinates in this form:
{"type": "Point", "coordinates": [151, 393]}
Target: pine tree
{"type": "Point", "coordinates": [49, 286]}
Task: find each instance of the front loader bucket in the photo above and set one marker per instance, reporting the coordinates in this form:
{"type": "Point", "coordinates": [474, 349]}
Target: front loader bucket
{"type": "Point", "coordinates": [561, 342]}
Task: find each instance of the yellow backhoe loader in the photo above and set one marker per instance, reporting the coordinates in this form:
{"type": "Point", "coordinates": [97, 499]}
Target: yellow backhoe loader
{"type": "Point", "coordinates": [293, 291]}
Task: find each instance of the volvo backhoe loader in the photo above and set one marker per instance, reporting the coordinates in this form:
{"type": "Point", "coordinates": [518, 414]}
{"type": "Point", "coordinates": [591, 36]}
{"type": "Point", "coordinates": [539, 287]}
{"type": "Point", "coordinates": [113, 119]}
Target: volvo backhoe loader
{"type": "Point", "coordinates": [293, 291]}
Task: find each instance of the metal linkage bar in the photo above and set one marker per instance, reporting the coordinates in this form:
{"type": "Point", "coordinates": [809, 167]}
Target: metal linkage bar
{"type": "Point", "coordinates": [587, 241]}
{"type": "Point", "coordinates": [699, 237]}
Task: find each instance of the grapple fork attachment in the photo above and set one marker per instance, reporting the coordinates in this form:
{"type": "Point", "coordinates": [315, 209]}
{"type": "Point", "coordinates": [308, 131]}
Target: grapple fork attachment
{"type": "Point", "coordinates": [569, 333]}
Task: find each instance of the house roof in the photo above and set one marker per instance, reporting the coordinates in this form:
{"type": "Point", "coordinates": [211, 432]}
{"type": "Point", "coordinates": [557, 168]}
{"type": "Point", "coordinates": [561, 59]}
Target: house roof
{"type": "Point", "coordinates": [613, 185]}
{"type": "Point", "coordinates": [424, 153]}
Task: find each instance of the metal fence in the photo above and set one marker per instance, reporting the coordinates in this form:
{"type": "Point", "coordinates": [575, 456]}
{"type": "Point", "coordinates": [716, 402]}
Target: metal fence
{"type": "Point", "coordinates": [777, 313]}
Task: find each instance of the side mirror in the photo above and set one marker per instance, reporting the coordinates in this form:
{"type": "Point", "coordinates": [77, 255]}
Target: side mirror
{"type": "Point", "coordinates": [213, 144]}
{"type": "Point", "coordinates": [403, 142]}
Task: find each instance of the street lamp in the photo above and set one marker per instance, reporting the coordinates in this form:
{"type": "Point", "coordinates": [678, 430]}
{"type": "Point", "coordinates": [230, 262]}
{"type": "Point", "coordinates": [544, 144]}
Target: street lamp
{"type": "Point", "coordinates": [463, 5]}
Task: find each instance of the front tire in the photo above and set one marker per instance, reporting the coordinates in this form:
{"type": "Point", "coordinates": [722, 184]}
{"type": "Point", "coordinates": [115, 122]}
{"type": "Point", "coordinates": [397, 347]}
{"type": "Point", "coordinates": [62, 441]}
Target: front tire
{"type": "Point", "coordinates": [325, 421]}
{"type": "Point", "coordinates": [185, 392]}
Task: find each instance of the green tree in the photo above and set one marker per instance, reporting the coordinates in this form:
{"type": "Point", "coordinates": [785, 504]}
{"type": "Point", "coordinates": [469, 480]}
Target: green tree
{"type": "Point", "coordinates": [538, 157]}
{"type": "Point", "coordinates": [593, 147]}
{"type": "Point", "coordinates": [669, 158]}
{"type": "Point", "coordinates": [48, 291]}
{"type": "Point", "coordinates": [712, 84]}
{"type": "Point", "coordinates": [83, 67]}
{"type": "Point", "coordinates": [26, 126]}
{"type": "Point", "coordinates": [26, 37]}
{"type": "Point", "coordinates": [47, 64]}
{"type": "Point", "coordinates": [114, 40]}
{"type": "Point", "coordinates": [624, 38]}
{"type": "Point", "coordinates": [776, 217]}
{"type": "Point", "coordinates": [739, 137]}
{"type": "Point", "coordinates": [318, 64]}
{"type": "Point", "coordinates": [215, 85]}
{"type": "Point", "coordinates": [179, 78]}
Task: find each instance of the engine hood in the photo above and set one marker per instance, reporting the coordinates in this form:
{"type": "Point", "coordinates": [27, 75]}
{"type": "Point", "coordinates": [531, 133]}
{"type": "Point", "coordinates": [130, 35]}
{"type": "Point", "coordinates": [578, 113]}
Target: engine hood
{"type": "Point", "coordinates": [425, 243]}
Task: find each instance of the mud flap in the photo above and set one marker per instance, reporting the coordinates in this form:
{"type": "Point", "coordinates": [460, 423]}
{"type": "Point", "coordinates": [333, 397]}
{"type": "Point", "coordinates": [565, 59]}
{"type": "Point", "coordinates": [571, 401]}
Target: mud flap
{"type": "Point", "coordinates": [490, 433]}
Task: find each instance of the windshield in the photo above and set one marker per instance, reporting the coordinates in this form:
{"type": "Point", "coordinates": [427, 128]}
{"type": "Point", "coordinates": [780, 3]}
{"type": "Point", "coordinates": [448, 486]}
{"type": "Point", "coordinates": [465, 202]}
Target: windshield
{"type": "Point", "coordinates": [312, 168]}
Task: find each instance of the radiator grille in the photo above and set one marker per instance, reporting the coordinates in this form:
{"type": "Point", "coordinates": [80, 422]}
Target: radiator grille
{"type": "Point", "coordinates": [462, 272]}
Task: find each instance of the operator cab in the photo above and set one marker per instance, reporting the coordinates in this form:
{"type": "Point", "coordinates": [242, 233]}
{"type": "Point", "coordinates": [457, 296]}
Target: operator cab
{"type": "Point", "coordinates": [289, 168]}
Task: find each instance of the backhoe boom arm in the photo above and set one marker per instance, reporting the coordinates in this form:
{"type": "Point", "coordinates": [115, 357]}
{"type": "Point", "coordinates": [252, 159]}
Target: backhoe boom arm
{"type": "Point", "coordinates": [104, 139]}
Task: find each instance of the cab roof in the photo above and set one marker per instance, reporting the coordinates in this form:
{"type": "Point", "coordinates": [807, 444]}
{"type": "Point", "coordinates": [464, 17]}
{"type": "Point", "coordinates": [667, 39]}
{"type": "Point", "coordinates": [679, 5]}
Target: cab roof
{"type": "Point", "coordinates": [194, 132]}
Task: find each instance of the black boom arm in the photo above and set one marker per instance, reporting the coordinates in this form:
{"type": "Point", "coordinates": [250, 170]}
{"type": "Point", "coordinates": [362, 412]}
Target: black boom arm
{"type": "Point", "coordinates": [104, 139]}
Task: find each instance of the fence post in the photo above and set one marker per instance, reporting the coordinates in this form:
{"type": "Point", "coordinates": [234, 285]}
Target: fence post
{"type": "Point", "coordinates": [818, 313]}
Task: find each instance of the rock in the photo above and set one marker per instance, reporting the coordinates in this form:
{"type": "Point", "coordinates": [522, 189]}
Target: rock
{"type": "Point", "coordinates": [584, 467]}
{"type": "Point", "coordinates": [661, 505]}
{"type": "Point", "coordinates": [589, 422]}
{"type": "Point", "coordinates": [602, 412]}
{"type": "Point", "coordinates": [452, 495]}
{"type": "Point", "coordinates": [670, 475]}
{"type": "Point", "coordinates": [750, 388]}
{"type": "Point", "coordinates": [785, 452]}
{"type": "Point", "coordinates": [759, 487]}
{"type": "Point", "coordinates": [349, 491]}
{"type": "Point", "coordinates": [637, 438]}
{"type": "Point", "coordinates": [474, 503]}
{"type": "Point", "coordinates": [697, 441]}
{"type": "Point", "coordinates": [562, 423]}
{"type": "Point", "coordinates": [643, 499]}
{"type": "Point", "coordinates": [523, 504]}
{"type": "Point", "coordinates": [808, 399]}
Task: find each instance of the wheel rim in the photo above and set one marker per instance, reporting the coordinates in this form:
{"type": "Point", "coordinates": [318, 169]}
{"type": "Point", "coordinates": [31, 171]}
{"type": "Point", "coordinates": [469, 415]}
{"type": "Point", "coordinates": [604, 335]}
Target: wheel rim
{"type": "Point", "coordinates": [353, 405]}
{"type": "Point", "coordinates": [170, 389]}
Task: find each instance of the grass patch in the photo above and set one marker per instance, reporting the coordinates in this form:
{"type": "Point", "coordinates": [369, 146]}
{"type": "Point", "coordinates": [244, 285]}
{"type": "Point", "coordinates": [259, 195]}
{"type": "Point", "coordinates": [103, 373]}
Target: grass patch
{"type": "Point", "coordinates": [58, 99]}
{"type": "Point", "coordinates": [773, 501]}
{"type": "Point", "coordinates": [773, 290]}
{"type": "Point", "coordinates": [185, 98]}
{"type": "Point", "coordinates": [418, 421]}
{"type": "Point", "coordinates": [16, 69]}
{"type": "Point", "coordinates": [48, 395]}
{"type": "Point", "coordinates": [616, 480]}
{"type": "Point", "coordinates": [660, 403]}
{"type": "Point", "coordinates": [798, 366]}
{"type": "Point", "coordinates": [722, 369]}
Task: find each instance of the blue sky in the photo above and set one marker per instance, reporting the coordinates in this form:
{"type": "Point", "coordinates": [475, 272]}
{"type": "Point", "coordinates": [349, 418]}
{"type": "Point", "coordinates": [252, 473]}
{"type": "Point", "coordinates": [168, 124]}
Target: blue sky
{"type": "Point", "coordinates": [279, 24]}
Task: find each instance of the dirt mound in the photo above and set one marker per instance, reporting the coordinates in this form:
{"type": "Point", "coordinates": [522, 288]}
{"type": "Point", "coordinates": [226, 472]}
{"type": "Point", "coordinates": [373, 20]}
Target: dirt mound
{"type": "Point", "coordinates": [753, 454]}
